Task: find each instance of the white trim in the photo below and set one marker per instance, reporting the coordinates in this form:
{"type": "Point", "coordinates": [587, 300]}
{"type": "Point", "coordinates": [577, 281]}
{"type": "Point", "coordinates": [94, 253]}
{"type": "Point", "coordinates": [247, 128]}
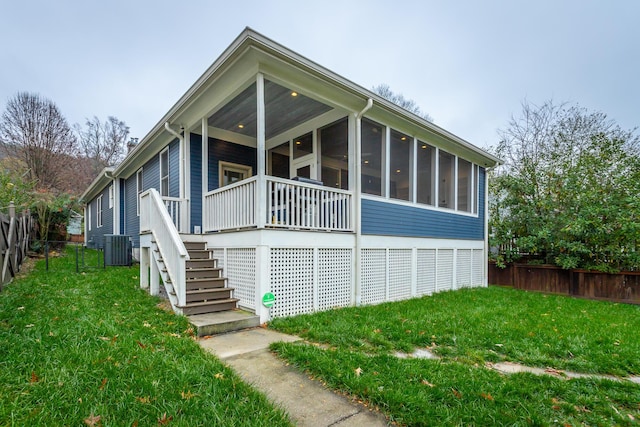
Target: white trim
{"type": "Point", "coordinates": [386, 162]}
{"type": "Point", "coordinates": [111, 196]}
{"type": "Point", "coordinates": [187, 178]}
{"type": "Point", "coordinates": [245, 170]}
{"type": "Point", "coordinates": [417, 205]}
{"type": "Point", "coordinates": [205, 167]}
{"type": "Point", "coordinates": [139, 188]}
{"type": "Point", "coordinates": [88, 224]}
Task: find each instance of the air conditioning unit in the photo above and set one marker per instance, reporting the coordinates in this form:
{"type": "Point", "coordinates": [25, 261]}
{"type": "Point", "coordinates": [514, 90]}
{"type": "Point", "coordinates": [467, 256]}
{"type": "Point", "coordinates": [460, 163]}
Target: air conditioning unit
{"type": "Point", "coordinates": [117, 249]}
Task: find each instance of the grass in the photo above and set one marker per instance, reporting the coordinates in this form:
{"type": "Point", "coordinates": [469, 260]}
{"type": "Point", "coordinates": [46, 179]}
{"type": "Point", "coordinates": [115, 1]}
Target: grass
{"type": "Point", "coordinates": [467, 329]}
{"type": "Point", "coordinates": [94, 349]}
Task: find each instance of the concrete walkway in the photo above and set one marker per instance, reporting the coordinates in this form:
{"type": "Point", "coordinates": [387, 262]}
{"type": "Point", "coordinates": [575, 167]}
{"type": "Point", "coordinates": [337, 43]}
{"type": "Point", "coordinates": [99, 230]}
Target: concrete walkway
{"type": "Point", "coordinates": [307, 402]}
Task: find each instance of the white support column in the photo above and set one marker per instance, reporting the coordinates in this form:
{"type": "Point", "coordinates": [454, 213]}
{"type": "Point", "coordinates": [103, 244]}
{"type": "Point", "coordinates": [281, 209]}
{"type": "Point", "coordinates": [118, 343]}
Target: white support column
{"type": "Point", "coordinates": [154, 285]}
{"type": "Point", "coordinates": [413, 180]}
{"type": "Point", "coordinates": [186, 210]}
{"type": "Point", "coordinates": [144, 267]}
{"type": "Point", "coordinates": [205, 167]}
{"type": "Point", "coordinates": [263, 282]}
{"type": "Point", "coordinates": [261, 203]}
{"type": "Point", "coordinates": [485, 206]}
{"type": "Point", "coordinates": [386, 161]}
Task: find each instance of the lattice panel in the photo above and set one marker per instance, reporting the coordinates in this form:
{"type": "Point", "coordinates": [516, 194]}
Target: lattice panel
{"type": "Point", "coordinates": [218, 253]}
{"type": "Point", "coordinates": [399, 274]}
{"type": "Point", "coordinates": [373, 275]}
{"type": "Point", "coordinates": [463, 268]}
{"type": "Point", "coordinates": [292, 281]}
{"type": "Point", "coordinates": [241, 274]}
{"type": "Point", "coordinates": [426, 274]}
{"type": "Point", "coordinates": [445, 269]}
{"type": "Point", "coordinates": [477, 266]}
{"type": "Point", "coordinates": [334, 278]}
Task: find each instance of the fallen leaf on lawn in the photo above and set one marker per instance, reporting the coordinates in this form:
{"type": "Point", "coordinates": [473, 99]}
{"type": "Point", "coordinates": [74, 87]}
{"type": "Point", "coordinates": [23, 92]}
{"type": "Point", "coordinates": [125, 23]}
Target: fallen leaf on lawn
{"type": "Point", "coordinates": [135, 423]}
{"type": "Point", "coordinates": [556, 407]}
{"type": "Point", "coordinates": [146, 324]}
{"type": "Point", "coordinates": [631, 417]}
{"type": "Point", "coordinates": [425, 382]}
{"type": "Point", "coordinates": [499, 345]}
{"type": "Point", "coordinates": [219, 375]}
{"type": "Point", "coordinates": [51, 333]}
{"type": "Point", "coordinates": [456, 393]}
{"type": "Point", "coordinates": [554, 400]}
{"type": "Point", "coordinates": [104, 383]}
{"type": "Point", "coordinates": [30, 325]}
{"type": "Point", "coordinates": [92, 420]}
{"type": "Point", "coordinates": [20, 308]}
{"type": "Point", "coordinates": [486, 396]}
{"type": "Point", "coordinates": [358, 371]}
{"type": "Point", "coordinates": [34, 378]}
{"type": "Point", "coordinates": [164, 420]}
{"type": "Point", "coordinates": [581, 408]}
{"type": "Point", "coordinates": [188, 395]}
{"type": "Point", "coordinates": [141, 345]}
{"type": "Point", "coordinates": [376, 331]}
{"type": "Point", "coordinates": [143, 399]}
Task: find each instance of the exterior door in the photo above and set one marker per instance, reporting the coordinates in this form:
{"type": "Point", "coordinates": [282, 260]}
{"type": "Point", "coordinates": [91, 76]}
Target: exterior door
{"type": "Point", "coordinates": [304, 162]}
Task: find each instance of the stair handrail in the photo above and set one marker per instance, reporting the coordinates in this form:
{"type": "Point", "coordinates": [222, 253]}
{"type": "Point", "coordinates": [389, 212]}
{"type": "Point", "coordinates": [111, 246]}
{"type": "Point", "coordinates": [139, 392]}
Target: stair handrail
{"type": "Point", "coordinates": [155, 218]}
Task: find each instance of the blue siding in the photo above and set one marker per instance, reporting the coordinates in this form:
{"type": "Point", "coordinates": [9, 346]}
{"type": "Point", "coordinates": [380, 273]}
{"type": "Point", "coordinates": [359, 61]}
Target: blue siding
{"type": "Point", "coordinates": [151, 174]}
{"type": "Point", "coordinates": [97, 234]}
{"type": "Point", "coordinates": [132, 221]}
{"type": "Point", "coordinates": [174, 169]}
{"type": "Point", "coordinates": [196, 180]}
{"type": "Point", "coordinates": [227, 152]}
{"type": "Point", "coordinates": [390, 219]}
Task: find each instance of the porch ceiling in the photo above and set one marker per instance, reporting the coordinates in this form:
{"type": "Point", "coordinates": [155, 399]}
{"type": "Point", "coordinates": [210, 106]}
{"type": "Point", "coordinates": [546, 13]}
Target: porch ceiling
{"type": "Point", "coordinates": [283, 111]}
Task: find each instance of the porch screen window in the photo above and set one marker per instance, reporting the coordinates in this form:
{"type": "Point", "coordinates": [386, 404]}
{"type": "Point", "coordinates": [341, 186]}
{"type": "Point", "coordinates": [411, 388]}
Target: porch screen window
{"type": "Point", "coordinates": [400, 166]}
{"type": "Point", "coordinates": [138, 190]}
{"type": "Point", "coordinates": [464, 185]}
{"type": "Point", "coordinates": [446, 179]}
{"type": "Point", "coordinates": [426, 169]}
{"type": "Point", "coordinates": [334, 154]}
{"type": "Point", "coordinates": [303, 145]}
{"type": "Point", "coordinates": [232, 172]}
{"type": "Point", "coordinates": [164, 173]}
{"type": "Point", "coordinates": [476, 177]}
{"type": "Point", "coordinates": [99, 211]}
{"type": "Point", "coordinates": [372, 148]}
{"type": "Point", "coordinates": [279, 161]}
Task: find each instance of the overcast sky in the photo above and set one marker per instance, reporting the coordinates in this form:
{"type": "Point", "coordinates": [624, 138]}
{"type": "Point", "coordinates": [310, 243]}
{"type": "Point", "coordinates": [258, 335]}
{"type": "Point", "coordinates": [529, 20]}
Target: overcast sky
{"type": "Point", "coordinates": [469, 64]}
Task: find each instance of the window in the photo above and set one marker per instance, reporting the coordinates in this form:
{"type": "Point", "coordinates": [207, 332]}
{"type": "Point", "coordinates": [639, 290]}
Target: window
{"type": "Point", "coordinates": [334, 154]}
{"type": "Point", "coordinates": [464, 185]}
{"type": "Point", "coordinates": [303, 145]}
{"type": "Point", "coordinates": [164, 172]}
{"type": "Point", "coordinates": [279, 161]}
{"type": "Point", "coordinates": [372, 149]}
{"type": "Point", "coordinates": [139, 187]}
{"type": "Point", "coordinates": [424, 175]}
{"type": "Point", "coordinates": [400, 166]}
{"type": "Point", "coordinates": [232, 172]}
{"type": "Point", "coordinates": [446, 179]}
{"type": "Point", "coordinates": [99, 211]}
{"type": "Point", "coordinates": [111, 196]}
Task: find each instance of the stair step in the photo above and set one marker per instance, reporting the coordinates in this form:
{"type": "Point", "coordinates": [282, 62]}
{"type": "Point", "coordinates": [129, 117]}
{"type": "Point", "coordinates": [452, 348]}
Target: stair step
{"type": "Point", "coordinates": [206, 283]}
{"type": "Point", "coordinates": [200, 254]}
{"type": "Point", "coordinates": [202, 263]}
{"type": "Point", "coordinates": [203, 273]}
{"type": "Point", "coordinates": [201, 295]}
{"type": "Point", "coordinates": [209, 306]}
{"type": "Point", "coordinates": [195, 245]}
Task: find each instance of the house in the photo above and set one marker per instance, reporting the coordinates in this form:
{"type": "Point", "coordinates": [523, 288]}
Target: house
{"type": "Point", "coordinates": [274, 175]}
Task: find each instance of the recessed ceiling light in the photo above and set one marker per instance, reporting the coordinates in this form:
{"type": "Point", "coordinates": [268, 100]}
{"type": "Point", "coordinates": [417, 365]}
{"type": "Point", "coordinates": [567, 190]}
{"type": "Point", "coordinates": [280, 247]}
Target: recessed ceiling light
{"type": "Point", "coordinates": [294, 93]}
{"type": "Point", "coordinates": [404, 138]}
{"type": "Point", "coordinates": [240, 126]}
{"type": "Point", "coordinates": [298, 142]}
{"type": "Point", "coordinates": [366, 162]}
{"type": "Point", "coordinates": [397, 170]}
{"type": "Point", "coordinates": [424, 146]}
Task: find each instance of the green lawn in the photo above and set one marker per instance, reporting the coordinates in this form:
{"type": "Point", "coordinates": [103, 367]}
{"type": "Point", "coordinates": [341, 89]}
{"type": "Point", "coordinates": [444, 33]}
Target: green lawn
{"type": "Point", "coordinates": [467, 329]}
{"type": "Point", "coordinates": [94, 349]}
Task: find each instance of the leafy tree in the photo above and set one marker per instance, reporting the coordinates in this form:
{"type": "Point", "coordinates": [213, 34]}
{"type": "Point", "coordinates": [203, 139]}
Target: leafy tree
{"type": "Point", "coordinates": [103, 143]}
{"type": "Point", "coordinates": [397, 98]}
{"type": "Point", "coordinates": [34, 130]}
{"type": "Point", "coordinates": [568, 191]}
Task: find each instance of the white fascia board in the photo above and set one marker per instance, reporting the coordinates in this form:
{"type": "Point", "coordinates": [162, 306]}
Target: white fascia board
{"type": "Point", "coordinates": [98, 184]}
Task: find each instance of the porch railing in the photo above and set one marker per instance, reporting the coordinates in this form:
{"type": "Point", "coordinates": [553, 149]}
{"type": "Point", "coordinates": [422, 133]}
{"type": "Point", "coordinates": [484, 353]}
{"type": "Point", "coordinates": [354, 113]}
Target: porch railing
{"type": "Point", "coordinates": [290, 205]}
{"type": "Point", "coordinates": [155, 218]}
{"type": "Point", "coordinates": [178, 211]}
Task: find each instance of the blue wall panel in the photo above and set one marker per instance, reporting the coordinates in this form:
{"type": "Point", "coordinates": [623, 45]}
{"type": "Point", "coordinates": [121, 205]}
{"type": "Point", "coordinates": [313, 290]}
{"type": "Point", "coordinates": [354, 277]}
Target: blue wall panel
{"type": "Point", "coordinates": [96, 235]}
{"type": "Point", "coordinates": [174, 169]}
{"type": "Point", "coordinates": [227, 152]}
{"type": "Point", "coordinates": [196, 180]}
{"type": "Point", "coordinates": [151, 173]}
{"type": "Point", "coordinates": [390, 219]}
{"type": "Point", "coordinates": [132, 221]}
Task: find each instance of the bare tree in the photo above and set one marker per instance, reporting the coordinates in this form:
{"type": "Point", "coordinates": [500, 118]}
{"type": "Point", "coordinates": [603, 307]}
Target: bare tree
{"type": "Point", "coordinates": [103, 143]}
{"type": "Point", "coordinates": [34, 130]}
{"type": "Point", "coordinates": [397, 98]}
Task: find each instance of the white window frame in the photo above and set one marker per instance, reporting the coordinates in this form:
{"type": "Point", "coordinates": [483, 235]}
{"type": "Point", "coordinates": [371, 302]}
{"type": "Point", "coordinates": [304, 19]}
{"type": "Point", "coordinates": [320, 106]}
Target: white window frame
{"type": "Point", "coordinates": [111, 196]}
{"type": "Point", "coordinates": [89, 216]}
{"type": "Point", "coordinates": [139, 187]}
{"type": "Point", "coordinates": [247, 171]}
{"type": "Point", "coordinates": [164, 174]}
{"type": "Point", "coordinates": [99, 211]}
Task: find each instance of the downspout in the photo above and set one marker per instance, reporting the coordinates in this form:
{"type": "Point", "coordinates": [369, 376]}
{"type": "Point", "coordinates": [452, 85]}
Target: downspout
{"type": "Point", "coordinates": [358, 200]}
{"type": "Point", "coordinates": [181, 157]}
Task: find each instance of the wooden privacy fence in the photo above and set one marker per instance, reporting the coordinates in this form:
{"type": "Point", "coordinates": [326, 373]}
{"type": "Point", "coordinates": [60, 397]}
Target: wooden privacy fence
{"type": "Point", "coordinates": [620, 287]}
{"type": "Point", "coordinates": [17, 229]}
